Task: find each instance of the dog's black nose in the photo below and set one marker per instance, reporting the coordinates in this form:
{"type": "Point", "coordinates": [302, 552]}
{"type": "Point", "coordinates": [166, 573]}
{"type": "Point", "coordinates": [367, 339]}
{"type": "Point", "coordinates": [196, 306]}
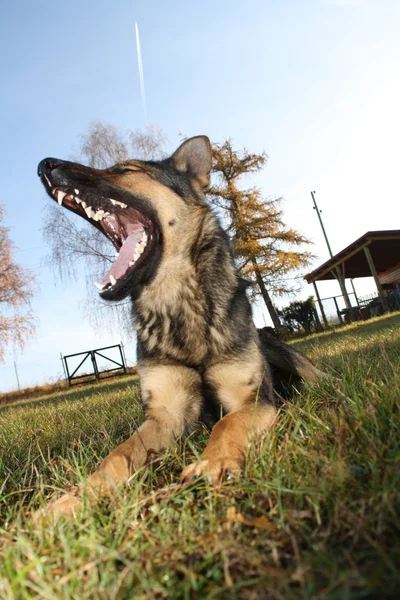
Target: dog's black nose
{"type": "Point", "coordinates": [48, 164]}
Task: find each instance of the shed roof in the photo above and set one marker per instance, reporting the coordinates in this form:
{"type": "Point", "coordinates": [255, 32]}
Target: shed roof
{"type": "Point", "coordinates": [385, 251]}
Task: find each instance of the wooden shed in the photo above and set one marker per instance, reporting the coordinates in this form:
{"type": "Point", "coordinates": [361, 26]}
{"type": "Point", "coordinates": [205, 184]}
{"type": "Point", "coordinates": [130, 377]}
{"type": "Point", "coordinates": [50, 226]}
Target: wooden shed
{"type": "Point", "coordinates": [376, 254]}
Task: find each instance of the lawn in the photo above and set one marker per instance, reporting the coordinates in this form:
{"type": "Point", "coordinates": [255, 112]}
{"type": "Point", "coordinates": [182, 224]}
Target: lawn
{"type": "Point", "coordinates": [315, 515]}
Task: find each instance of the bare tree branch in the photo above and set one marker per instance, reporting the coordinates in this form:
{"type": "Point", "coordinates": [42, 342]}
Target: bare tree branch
{"type": "Point", "coordinates": [74, 243]}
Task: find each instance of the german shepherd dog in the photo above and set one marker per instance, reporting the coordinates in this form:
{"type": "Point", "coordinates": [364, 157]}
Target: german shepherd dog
{"type": "Point", "coordinates": [199, 354]}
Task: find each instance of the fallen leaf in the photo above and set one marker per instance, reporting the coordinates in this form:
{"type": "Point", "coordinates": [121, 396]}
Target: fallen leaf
{"type": "Point", "coordinates": [257, 522]}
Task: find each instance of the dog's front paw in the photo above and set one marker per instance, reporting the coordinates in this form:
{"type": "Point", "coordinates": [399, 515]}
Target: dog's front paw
{"type": "Point", "coordinates": [66, 506]}
{"type": "Point", "coordinates": [214, 470]}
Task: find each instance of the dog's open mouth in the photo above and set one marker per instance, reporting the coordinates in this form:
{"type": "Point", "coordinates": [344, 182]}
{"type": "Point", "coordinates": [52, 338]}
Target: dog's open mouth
{"type": "Point", "coordinates": [125, 218]}
{"type": "Point", "coordinates": [127, 228]}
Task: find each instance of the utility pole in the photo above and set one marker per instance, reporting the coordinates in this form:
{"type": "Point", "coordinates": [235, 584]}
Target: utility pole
{"type": "Point", "coordinates": [339, 275]}
{"type": "Point", "coordinates": [321, 223]}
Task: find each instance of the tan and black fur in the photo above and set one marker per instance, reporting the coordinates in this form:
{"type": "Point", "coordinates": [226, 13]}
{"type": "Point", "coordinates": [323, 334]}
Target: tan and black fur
{"type": "Point", "coordinates": [198, 350]}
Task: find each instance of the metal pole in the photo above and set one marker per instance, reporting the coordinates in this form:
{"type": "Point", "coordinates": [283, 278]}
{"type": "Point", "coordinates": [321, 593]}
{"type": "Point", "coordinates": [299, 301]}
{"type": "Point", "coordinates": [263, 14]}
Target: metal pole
{"type": "Point", "coordinates": [16, 375]}
{"type": "Point", "coordinates": [321, 223]}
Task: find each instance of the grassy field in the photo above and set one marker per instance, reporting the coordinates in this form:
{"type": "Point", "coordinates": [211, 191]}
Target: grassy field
{"type": "Point", "coordinates": [316, 514]}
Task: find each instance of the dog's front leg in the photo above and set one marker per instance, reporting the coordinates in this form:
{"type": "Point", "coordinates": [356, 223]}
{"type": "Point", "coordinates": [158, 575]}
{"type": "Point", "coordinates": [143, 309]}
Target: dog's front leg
{"type": "Point", "coordinates": [172, 396]}
{"type": "Point", "coordinates": [244, 388]}
{"type": "Point", "coordinates": [229, 440]}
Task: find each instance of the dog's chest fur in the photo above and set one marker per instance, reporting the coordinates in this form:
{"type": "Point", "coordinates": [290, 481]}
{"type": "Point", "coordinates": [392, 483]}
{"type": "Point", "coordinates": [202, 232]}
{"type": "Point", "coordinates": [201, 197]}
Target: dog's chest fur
{"type": "Point", "coordinates": [186, 313]}
{"type": "Point", "coordinates": [170, 315]}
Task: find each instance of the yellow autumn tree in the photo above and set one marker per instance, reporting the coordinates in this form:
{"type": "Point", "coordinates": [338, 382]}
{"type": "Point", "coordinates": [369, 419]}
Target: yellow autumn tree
{"type": "Point", "coordinates": [17, 322]}
{"type": "Point", "coordinates": [267, 252]}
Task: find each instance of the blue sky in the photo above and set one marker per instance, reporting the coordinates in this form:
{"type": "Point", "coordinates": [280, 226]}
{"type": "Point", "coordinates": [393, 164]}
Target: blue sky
{"type": "Point", "coordinates": [313, 83]}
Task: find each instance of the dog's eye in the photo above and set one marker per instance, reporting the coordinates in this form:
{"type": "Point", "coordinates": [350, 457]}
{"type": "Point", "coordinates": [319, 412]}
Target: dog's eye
{"type": "Point", "coordinates": [120, 170]}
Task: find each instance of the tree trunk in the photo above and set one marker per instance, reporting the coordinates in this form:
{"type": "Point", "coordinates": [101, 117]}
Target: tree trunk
{"type": "Point", "coordinates": [267, 298]}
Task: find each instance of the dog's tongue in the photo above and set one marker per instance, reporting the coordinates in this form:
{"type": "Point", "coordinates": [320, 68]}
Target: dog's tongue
{"type": "Point", "coordinates": [126, 253]}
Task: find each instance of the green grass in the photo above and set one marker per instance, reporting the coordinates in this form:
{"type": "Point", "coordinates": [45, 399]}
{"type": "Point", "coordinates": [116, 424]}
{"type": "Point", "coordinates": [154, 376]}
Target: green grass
{"type": "Point", "coordinates": [316, 514]}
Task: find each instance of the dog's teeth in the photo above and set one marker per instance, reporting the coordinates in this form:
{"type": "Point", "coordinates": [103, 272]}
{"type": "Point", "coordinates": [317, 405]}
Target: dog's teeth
{"type": "Point", "coordinates": [99, 286]}
{"type": "Point", "coordinates": [116, 255]}
{"type": "Point", "coordinates": [118, 203]}
{"type": "Point", "coordinates": [89, 211]}
{"type": "Point", "coordinates": [77, 200]}
{"type": "Point", "coordinates": [76, 192]}
{"type": "Point", "coordinates": [83, 203]}
{"type": "Point", "coordinates": [139, 249]}
{"type": "Point", "coordinates": [136, 256]}
{"type": "Point", "coordinates": [60, 196]}
{"type": "Point", "coordinates": [100, 214]}
{"type": "Point", "coordinates": [113, 280]}
{"type": "Point", "coordinates": [131, 263]}
{"type": "Point", "coordinates": [144, 238]}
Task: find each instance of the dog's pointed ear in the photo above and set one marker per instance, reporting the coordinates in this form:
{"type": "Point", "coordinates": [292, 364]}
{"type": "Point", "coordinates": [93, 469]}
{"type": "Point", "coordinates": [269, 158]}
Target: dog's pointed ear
{"type": "Point", "coordinates": [194, 157]}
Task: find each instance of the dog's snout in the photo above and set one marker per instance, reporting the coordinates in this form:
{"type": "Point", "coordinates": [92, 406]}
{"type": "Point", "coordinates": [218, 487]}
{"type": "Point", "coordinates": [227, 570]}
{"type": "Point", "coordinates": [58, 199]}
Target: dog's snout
{"type": "Point", "coordinates": [48, 164]}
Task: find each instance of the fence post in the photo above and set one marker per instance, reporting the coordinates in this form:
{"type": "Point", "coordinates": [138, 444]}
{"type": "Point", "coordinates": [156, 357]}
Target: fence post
{"type": "Point", "coordinates": [96, 371]}
{"type": "Point", "coordinates": [63, 366]}
{"type": "Point", "coordinates": [122, 353]}
{"type": "Point", "coordinates": [68, 375]}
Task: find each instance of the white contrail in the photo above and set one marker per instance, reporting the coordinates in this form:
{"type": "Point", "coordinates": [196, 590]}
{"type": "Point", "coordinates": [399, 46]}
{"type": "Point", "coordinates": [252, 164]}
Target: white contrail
{"type": "Point", "coordinates": [141, 78]}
